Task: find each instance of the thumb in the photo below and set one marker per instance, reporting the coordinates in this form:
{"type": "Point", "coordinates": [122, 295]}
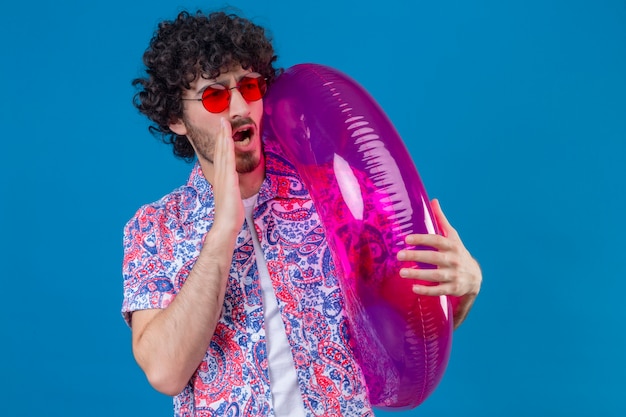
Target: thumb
{"type": "Point", "coordinates": [443, 224]}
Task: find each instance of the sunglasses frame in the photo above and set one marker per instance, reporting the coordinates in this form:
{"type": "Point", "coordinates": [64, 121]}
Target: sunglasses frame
{"type": "Point", "coordinates": [211, 89]}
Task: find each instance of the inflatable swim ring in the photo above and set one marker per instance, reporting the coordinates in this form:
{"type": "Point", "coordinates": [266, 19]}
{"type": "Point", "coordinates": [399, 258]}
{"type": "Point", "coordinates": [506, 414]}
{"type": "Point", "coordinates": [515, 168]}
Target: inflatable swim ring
{"type": "Point", "coordinates": [369, 195]}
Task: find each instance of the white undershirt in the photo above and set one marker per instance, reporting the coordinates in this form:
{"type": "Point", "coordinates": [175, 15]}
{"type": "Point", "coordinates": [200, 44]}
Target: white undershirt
{"type": "Point", "coordinates": [283, 380]}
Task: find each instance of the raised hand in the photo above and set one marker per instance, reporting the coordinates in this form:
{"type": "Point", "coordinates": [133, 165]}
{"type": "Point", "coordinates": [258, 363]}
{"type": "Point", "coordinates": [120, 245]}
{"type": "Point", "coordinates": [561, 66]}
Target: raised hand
{"type": "Point", "coordinates": [229, 212]}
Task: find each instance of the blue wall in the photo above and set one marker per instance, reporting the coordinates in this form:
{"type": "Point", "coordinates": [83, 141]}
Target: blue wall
{"type": "Point", "coordinates": [515, 113]}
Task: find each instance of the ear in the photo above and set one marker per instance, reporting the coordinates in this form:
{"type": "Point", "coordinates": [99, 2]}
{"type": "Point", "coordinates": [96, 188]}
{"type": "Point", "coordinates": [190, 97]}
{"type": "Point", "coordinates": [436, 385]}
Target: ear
{"type": "Point", "coordinates": [178, 126]}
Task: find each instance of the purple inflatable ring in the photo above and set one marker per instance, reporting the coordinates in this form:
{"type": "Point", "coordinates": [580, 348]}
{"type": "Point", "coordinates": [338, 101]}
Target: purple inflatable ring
{"type": "Point", "coordinates": [369, 196]}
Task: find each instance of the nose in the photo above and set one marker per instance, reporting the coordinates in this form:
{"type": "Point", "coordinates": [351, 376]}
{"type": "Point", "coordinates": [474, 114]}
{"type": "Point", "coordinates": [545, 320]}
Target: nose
{"type": "Point", "coordinates": [239, 107]}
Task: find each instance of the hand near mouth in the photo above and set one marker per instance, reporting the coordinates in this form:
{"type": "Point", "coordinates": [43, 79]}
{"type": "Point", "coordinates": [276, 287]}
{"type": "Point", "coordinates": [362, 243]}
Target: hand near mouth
{"type": "Point", "coordinates": [229, 211]}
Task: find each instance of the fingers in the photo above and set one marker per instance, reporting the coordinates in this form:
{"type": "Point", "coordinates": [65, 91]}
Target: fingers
{"type": "Point", "coordinates": [224, 157]}
{"type": "Point", "coordinates": [437, 290]}
{"type": "Point", "coordinates": [445, 266]}
{"type": "Point", "coordinates": [451, 289]}
{"type": "Point", "coordinates": [436, 282]}
{"type": "Point", "coordinates": [430, 275]}
{"type": "Point", "coordinates": [228, 204]}
{"type": "Point", "coordinates": [455, 272]}
{"type": "Point", "coordinates": [436, 258]}
{"type": "Point", "coordinates": [435, 241]}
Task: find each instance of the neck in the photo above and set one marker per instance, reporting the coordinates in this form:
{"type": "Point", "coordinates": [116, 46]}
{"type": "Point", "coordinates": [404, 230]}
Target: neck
{"type": "Point", "coordinates": [250, 183]}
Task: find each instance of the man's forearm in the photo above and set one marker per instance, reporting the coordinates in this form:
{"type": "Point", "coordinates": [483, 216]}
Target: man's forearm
{"type": "Point", "coordinates": [169, 344]}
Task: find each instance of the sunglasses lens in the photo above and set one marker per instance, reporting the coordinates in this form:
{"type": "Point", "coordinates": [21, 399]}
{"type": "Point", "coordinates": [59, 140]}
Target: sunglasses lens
{"type": "Point", "coordinates": [252, 87]}
{"type": "Point", "coordinates": [215, 98]}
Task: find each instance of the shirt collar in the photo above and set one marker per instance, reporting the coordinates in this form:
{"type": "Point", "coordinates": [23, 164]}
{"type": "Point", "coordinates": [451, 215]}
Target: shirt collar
{"type": "Point", "coordinates": [281, 178]}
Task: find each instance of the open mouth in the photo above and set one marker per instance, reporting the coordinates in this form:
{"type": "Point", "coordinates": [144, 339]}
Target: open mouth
{"type": "Point", "coordinates": [243, 135]}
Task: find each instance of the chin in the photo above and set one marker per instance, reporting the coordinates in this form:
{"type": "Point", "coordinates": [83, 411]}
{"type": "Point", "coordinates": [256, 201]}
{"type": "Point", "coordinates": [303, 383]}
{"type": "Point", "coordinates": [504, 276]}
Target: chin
{"type": "Point", "coordinates": [248, 162]}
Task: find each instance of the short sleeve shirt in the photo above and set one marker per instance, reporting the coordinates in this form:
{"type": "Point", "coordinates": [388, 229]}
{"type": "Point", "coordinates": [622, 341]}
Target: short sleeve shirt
{"type": "Point", "coordinates": [161, 244]}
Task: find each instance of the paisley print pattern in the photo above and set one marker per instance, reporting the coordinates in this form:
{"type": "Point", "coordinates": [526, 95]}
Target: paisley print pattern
{"type": "Point", "coordinates": [161, 244]}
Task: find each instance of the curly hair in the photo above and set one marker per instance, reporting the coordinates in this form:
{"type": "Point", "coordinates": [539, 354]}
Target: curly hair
{"type": "Point", "coordinates": [189, 46]}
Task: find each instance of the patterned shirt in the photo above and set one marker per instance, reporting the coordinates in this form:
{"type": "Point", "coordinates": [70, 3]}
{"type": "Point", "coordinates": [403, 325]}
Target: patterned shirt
{"type": "Point", "coordinates": [161, 244]}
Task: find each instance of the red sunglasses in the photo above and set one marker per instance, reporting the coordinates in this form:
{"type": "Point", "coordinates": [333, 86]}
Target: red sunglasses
{"type": "Point", "coordinates": [216, 97]}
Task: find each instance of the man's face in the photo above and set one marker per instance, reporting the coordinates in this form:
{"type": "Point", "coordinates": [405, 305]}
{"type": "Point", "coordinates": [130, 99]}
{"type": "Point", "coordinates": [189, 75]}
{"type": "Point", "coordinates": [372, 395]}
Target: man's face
{"type": "Point", "coordinates": [202, 127]}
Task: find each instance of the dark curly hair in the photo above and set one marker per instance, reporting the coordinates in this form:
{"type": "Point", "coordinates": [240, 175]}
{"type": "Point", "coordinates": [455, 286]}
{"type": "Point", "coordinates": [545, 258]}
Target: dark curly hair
{"type": "Point", "coordinates": [189, 46]}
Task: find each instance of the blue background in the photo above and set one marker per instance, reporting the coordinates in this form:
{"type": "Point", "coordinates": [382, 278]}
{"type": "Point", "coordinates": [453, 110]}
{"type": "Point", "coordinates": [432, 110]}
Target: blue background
{"type": "Point", "coordinates": [515, 114]}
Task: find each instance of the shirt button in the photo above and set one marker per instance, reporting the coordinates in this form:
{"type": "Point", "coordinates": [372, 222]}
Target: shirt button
{"type": "Point", "coordinates": [255, 337]}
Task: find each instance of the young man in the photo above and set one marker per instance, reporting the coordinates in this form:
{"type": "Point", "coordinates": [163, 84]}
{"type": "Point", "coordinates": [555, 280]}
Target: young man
{"type": "Point", "coordinates": [227, 318]}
